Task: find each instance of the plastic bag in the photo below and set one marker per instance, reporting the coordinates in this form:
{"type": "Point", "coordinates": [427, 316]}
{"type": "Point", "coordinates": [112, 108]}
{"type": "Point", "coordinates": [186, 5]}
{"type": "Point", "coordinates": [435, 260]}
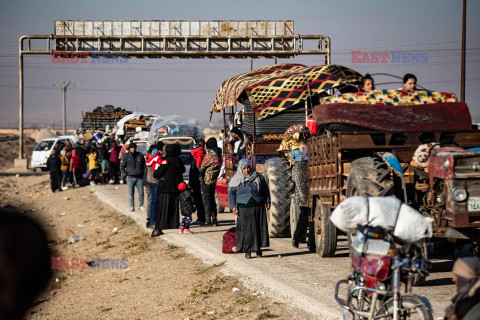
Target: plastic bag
{"type": "Point", "coordinates": [175, 126]}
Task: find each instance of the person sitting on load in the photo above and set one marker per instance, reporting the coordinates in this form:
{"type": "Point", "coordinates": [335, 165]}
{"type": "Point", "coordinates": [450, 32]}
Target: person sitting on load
{"type": "Point", "coordinates": [409, 82]}
{"type": "Point", "coordinates": [367, 84]}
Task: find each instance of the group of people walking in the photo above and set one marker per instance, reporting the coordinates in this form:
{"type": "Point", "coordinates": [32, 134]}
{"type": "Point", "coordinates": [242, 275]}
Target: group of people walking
{"type": "Point", "coordinates": [79, 165]}
{"type": "Point", "coordinates": [160, 172]}
{"type": "Point", "coordinates": [162, 191]}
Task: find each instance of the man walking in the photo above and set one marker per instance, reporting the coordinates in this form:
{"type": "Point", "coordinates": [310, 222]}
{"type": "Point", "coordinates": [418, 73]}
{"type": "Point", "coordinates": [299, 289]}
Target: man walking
{"type": "Point", "coordinates": [132, 167]}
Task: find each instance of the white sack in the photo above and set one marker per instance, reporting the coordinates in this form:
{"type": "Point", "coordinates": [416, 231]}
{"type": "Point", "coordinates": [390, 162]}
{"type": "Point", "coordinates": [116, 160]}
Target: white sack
{"type": "Point", "coordinates": [410, 226]}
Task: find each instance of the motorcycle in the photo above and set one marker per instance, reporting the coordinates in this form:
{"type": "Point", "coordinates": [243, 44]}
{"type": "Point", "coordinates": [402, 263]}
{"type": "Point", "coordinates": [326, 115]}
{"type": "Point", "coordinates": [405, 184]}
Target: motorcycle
{"type": "Point", "coordinates": [383, 263]}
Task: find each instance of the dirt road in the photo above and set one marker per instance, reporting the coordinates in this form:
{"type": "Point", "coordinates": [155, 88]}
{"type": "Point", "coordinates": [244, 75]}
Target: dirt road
{"type": "Point", "coordinates": [286, 283]}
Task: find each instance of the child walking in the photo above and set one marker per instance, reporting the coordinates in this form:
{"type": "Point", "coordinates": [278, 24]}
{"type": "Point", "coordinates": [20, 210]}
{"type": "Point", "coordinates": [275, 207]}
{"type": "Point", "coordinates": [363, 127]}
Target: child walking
{"type": "Point", "coordinates": [93, 165]}
{"type": "Point", "coordinates": [187, 207]}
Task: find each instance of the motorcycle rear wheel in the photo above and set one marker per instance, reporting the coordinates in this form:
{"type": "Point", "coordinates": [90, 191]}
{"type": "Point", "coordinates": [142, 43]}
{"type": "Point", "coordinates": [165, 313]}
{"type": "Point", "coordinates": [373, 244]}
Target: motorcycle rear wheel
{"type": "Point", "coordinates": [412, 307]}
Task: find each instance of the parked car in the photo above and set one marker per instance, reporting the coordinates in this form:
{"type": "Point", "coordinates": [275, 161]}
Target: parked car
{"type": "Point", "coordinates": [43, 150]}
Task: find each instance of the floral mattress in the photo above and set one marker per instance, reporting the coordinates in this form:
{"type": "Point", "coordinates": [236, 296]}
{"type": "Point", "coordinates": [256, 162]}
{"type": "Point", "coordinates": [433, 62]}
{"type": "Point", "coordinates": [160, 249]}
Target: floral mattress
{"type": "Point", "coordinates": [392, 97]}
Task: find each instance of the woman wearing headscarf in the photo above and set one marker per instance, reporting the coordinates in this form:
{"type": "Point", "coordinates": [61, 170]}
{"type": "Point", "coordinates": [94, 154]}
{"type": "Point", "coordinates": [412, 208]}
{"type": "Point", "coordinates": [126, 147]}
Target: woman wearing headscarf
{"type": "Point", "coordinates": [54, 165]}
{"type": "Point", "coordinates": [209, 171]}
{"type": "Point", "coordinates": [169, 175]}
{"type": "Point", "coordinates": [248, 195]}
{"type": "Point", "coordinates": [466, 303]}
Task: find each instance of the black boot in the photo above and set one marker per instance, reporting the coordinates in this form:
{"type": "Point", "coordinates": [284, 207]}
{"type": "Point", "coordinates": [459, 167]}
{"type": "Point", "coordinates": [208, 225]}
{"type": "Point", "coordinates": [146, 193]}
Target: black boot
{"type": "Point", "coordinates": [248, 255]}
{"type": "Point", "coordinates": [259, 253]}
{"type": "Point", "coordinates": [156, 233]}
{"type": "Point", "coordinates": [148, 223]}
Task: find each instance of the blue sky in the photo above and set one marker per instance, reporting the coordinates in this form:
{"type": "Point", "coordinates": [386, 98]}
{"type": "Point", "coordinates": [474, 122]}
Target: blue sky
{"type": "Point", "coordinates": [188, 87]}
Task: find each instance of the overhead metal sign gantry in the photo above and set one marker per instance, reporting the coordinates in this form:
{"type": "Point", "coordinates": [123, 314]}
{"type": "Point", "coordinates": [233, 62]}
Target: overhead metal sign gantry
{"type": "Point", "coordinates": [170, 39]}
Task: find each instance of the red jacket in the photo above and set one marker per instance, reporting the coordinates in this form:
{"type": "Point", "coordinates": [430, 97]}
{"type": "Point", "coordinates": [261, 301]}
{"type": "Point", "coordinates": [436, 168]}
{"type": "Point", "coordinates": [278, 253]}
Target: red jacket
{"type": "Point", "coordinates": [198, 154]}
{"type": "Point", "coordinates": [155, 161]}
{"type": "Point", "coordinates": [74, 162]}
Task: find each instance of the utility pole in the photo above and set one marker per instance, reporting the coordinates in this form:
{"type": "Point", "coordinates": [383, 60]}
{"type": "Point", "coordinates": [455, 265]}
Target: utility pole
{"type": "Point", "coordinates": [464, 36]}
{"type": "Point", "coordinates": [63, 85]}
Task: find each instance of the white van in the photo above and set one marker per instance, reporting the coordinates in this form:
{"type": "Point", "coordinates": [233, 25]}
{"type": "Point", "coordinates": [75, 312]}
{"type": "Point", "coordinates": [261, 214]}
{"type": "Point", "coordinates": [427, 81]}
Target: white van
{"type": "Point", "coordinates": [43, 150]}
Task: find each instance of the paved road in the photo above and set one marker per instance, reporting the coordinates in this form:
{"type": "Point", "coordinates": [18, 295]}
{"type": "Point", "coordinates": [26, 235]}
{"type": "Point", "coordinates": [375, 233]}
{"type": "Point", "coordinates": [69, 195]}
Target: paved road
{"type": "Point", "coordinates": [293, 276]}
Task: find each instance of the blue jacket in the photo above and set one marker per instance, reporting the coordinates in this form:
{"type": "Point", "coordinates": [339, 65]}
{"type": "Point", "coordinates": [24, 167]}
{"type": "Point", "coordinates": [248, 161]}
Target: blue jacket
{"type": "Point", "coordinates": [245, 192]}
{"type": "Point", "coordinates": [298, 155]}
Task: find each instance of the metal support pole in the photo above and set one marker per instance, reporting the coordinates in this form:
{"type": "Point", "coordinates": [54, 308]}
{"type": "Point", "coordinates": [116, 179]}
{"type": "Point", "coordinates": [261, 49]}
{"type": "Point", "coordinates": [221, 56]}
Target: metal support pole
{"type": "Point", "coordinates": [20, 99]}
{"type": "Point", "coordinates": [253, 140]}
{"type": "Point", "coordinates": [224, 133]}
{"type": "Point", "coordinates": [64, 122]}
{"type": "Point", "coordinates": [464, 31]}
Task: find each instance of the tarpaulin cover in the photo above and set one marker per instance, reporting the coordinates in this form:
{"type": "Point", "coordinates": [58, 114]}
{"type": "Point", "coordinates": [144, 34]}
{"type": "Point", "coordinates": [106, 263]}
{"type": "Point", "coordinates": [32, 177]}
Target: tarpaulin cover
{"type": "Point", "coordinates": [450, 116]}
{"type": "Point", "coordinates": [273, 89]}
{"type": "Point", "coordinates": [174, 126]}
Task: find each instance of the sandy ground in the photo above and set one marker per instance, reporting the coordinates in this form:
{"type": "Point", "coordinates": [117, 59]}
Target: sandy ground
{"type": "Point", "coordinates": [161, 280]}
{"type": "Point", "coordinates": [178, 276]}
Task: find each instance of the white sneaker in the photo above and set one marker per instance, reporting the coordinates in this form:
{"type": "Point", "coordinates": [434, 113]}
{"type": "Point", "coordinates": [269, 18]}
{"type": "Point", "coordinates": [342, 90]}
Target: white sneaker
{"type": "Point", "coordinates": [132, 209]}
{"type": "Point", "coordinates": [121, 181]}
{"type": "Point", "coordinates": [92, 183]}
{"type": "Point", "coordinates": [142, 208]}
{"type": "Point", "coordinates": [64, 188]}
{"type": "Point", "coordinates": [111, 182]}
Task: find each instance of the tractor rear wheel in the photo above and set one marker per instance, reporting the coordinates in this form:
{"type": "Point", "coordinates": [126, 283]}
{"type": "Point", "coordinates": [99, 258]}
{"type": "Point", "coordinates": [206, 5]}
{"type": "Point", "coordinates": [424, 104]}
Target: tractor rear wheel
{"type": "Point", "coordinates": [368, 177]}
{"type": "Point", "coordinates": [278, 174]}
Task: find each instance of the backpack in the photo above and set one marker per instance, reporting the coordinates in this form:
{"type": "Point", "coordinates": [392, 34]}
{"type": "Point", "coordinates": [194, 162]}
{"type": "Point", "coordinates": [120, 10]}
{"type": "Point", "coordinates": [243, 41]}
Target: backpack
{"type": "Point", "coordinates": [230, 241]}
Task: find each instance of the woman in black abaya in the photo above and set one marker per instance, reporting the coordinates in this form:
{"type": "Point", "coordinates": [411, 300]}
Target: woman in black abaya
{"type": "Point", "coordinates": [169, 175]}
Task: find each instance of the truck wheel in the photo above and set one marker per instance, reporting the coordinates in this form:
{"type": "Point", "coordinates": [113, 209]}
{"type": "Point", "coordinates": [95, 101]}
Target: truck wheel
{"type": "Point", "coordinates": [325, 231]}
{"type": "Point", "coordinates": [294, 214]}
{"type": "Point", "coordinates": [368, 177]}
{"type": "Point", "coordinates": [220, 208]}
{"type": "Point", "coordinates": [279, 179]}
